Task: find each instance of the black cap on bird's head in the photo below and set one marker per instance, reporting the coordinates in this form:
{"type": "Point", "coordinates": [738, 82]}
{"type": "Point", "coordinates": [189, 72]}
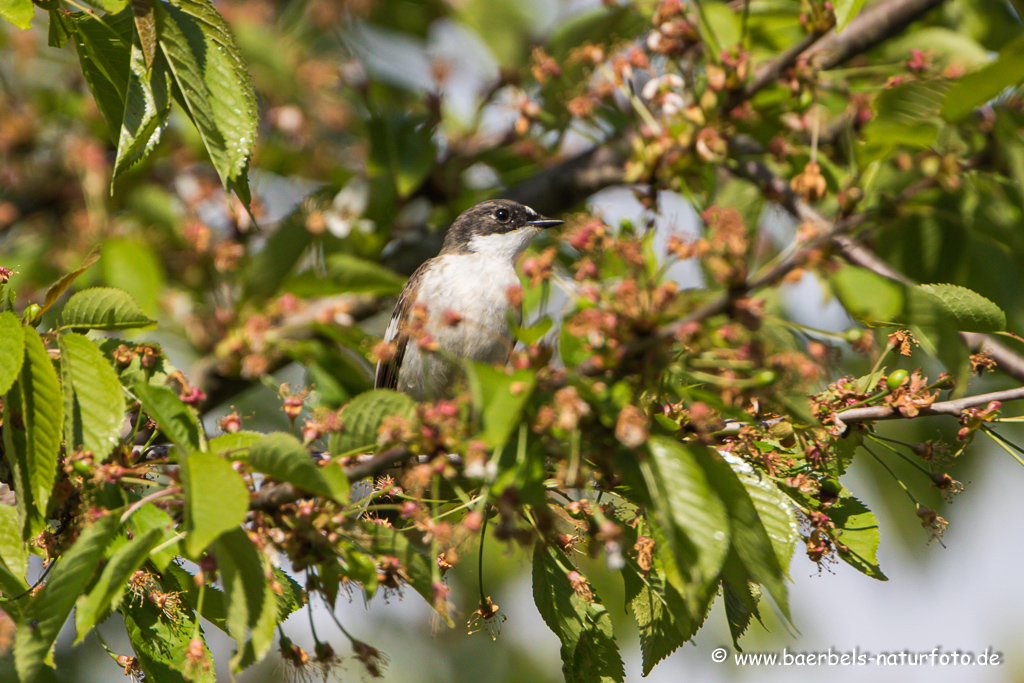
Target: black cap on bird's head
{"type": "Point", "coordinates": [493, 217]}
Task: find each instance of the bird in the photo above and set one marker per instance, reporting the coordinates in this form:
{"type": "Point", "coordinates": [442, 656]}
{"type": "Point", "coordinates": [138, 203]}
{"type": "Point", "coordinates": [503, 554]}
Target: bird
{"type": "Point", "coordinates": [456, 305]}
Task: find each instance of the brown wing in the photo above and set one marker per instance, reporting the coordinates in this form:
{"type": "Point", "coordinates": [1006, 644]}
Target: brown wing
{"type": "Point", "coordinates": [387, 371]}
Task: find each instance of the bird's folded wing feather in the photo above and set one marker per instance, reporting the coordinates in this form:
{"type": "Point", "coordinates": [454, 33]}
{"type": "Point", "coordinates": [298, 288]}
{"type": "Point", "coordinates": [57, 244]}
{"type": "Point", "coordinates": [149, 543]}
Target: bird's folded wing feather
{"type": "Point", "coordinates": [387, 371]}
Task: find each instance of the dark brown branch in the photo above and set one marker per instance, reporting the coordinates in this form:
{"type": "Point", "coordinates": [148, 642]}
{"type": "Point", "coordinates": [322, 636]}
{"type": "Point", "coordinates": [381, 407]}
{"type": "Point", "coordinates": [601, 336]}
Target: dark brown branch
{"type": "Point", "coordinates": [378, 463]}
{"type": "Point", "coordinates": [570, 182]}
{"type": "Point", "coordinates": [1007, 361]}
{"type": "Point", "coordinates": [271, 497]}
{"type": "Point", "coordinates": [954, 407]}
{"type": "Point", "coordinates": [873, 26]}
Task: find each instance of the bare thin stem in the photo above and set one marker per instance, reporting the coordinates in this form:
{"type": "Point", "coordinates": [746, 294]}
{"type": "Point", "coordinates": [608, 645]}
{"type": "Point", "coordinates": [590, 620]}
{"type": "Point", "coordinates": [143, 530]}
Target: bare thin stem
{"type": "Point", "coordinates": [954, 407]}
{"type": "Point", "coordinates": [170, 491]}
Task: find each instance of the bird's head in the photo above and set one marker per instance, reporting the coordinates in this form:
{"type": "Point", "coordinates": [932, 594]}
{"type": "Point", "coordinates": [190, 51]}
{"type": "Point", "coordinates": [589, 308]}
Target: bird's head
{"type": "Point", "coordinates": [499, 227]}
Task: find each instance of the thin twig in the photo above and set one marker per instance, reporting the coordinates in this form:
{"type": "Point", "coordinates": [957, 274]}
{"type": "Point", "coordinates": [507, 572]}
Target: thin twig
{"type": "Point", "coordinates": [272, 497]}
{"type": "Point", "coordinates": [953, 407]}
{"type": "Point", "coordinates": [170, 491]}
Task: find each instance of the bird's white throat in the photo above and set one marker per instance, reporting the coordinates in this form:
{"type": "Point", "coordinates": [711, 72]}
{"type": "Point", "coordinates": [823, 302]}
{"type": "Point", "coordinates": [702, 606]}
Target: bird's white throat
{"type": "Point", "coordinates": [503, 246]}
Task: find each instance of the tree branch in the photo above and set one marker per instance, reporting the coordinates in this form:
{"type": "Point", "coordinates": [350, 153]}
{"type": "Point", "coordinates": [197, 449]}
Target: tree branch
{"type": "Point", "coordinates": [378, 463]}
{"type": "Point", "coordinates": [874, 25]}
{"type": "Point", "coordinates": [271, 497]}
{"type": "Point", "coordinates": [560, 187]}
{"type": "Point", "coordinates": [954, 407]}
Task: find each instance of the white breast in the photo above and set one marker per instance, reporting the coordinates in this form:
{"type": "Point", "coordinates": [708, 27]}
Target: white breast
{"type": "Point", "coordinates": [475, 288]}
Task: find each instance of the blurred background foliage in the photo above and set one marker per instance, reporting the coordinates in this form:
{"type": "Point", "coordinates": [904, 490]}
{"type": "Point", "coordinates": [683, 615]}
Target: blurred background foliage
{"type": "Point", "coordinates": [380, 120]}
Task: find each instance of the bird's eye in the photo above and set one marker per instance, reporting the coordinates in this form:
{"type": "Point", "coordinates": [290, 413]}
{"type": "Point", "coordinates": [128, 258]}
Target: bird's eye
{"type": "Point", "coordinates": [502, 215]}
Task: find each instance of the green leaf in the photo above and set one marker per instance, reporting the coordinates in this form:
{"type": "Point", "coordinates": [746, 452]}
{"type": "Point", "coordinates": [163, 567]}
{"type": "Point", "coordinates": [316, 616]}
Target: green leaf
{"type": "Point", "coordinates": [934, 313]}
{"type": "Point", "coordinates": [61, 285]}
{"type": "Point", "coordinates": [15, 440]}
{"type": "Point", "coordinates": [17, 12]}
{"type": "Point", "coordinates": [13, 553]}
{"type": "Point", "coordinates": [251, 604]}
{"type": "Point", "coordinates": [911, 102]}
{"type": "Point", "coordinates": [60, 28]}
{"type": "Point", "coordinates": [978, 87]}
{"type": "Point", "coordinates": [161, 643]}
{"type": "Point", "coordinates": [402, 148]}
{"type": "Point", "coordinates": [741, 597]}
{"type": "Point", "coordinates": [104, 308]}
{"type": "Point", "coordinates": [845, 11]}
{"type": "Point", "coordinates": [151, 518]}
{"type": "Point", "coordinates": [103, 44]}
{"type": "Point", "coordinates": [690, 512]}
{"type": "Point", "coordinates": [416, 564]}
{"type": "Point", "coordinates": [147, 104]}
{"type": "Point", "coordinates": [12, 349]}
{"type": "Point", "coordinates": [970, 311]}
{"type": "Point", "coordinates": [531, 334]}
{"type": "Point", "coordinates": [292, 598]}
{"type": "Point", "coordinates": [499, 397]}
{"type": "Point", "coordinates": [212, 84]}
{"type": "Point", "coordinates": [663, 619]}
{"type": "Point", "coordinates": [502, 25]}
{"type": "Point", "coordinates": [364, 414]}
{"type": "Point", "coordinates": [12, 584]}
{"type": "Point", "coordinates": [662, 615]}
{"type": "Point", "coordinates": [32, 426]}
{"type": "Point", "coordinates": [940, 338]}
{"type": "Point", "coordinates": [215, 608]}
{"type": "Point", "coordinates": [282, 457]}
{"type": "Point", "coordinates": [105, 594]}
{"type": "Point", "coordinates": [334, 365]}
{"type": "Point", "coordinates": [751, 541]}
{"type": "Point", "coordinates": [776, 513]}
{"type": "Point", "coordinates": [175, 419]}
{"type": "Point", "coordinates": [740, 607]}
{"type": "Point", "coordinates": [589, 651]}
{"type": "Point", "coordinates": [50, 607]}
{"type": "Point", "coordinates": [6, 297]}
{"type": "Point", "coordinates": [346, 273]}
{"type": "Point", "coordinates": [953, 47]}
{"type": "Point", "coordinates": [906, 116]}
{"type": "Point", "coordinates": [857, 529]}
{"type": "Point", "coordinates": [866, 296]}
{"type": "Point", "coordinates": [234, 445]}
{"type": "Point", "coordinates": [93, 397]}
{"type": "Point", "coordinates": [216, 499]}
{"type": "Point", "coordinates": [134, 266]}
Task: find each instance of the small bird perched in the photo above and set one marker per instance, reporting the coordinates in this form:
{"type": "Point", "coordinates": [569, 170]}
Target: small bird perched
{"type": "Point", "coordinates": [457, 303]}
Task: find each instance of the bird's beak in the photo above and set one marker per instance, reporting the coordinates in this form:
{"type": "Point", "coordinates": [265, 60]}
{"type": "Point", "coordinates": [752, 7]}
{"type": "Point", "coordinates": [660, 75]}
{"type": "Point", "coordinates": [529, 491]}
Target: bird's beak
{"type": "Point", "coordinates": [545, 222]}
